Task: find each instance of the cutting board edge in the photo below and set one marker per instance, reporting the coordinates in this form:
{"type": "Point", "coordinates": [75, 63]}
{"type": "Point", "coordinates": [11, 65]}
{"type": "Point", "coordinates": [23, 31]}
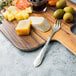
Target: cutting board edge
{"type": "Point", "coordinates": [22, 49]}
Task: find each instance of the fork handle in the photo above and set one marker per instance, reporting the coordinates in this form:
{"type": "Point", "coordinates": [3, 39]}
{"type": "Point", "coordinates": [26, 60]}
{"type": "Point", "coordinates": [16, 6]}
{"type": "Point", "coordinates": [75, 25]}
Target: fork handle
{"type": "Point", "coordinates": [40, 57]}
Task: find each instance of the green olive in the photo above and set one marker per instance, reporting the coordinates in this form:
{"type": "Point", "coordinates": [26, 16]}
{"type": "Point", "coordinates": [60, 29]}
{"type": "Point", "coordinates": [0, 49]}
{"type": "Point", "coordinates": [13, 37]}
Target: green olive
{"type": "Point", "coordinates": [61, 4]}
{"type": "Point", "coordinates": [69, 9]}
{"type": "Point", "coordinates": [68, 17]}
{"type": "Point", "coordinates": [58, 13]}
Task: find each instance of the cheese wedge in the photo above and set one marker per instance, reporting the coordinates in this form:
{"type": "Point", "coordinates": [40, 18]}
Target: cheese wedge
{"type": "Point", "coordinates": [40, 23]}
{"type": "Point", "coordinates": [23, 27]}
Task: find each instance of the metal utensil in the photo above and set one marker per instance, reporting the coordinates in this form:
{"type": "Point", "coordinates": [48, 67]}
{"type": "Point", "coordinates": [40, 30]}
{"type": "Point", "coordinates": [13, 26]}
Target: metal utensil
{"type": "Point", "coordinates": [40, 57]}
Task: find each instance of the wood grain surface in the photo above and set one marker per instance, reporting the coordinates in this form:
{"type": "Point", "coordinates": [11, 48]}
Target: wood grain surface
{"type": "Point", "coordinates": [37, 38]}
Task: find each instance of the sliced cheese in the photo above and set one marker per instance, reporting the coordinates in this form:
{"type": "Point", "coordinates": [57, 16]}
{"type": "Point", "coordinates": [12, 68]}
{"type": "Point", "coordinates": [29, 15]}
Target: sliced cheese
{"type": "Point", "coordinates": [25, 14]}
{"type": "Point", "coordinates": [5, 14]}
{"type": "Point", "coordinates": [8, 16]}
{"type": "Point", "coordinates": [13, 10]}
{"type": "Point", "coordinates": [40, 23]}
{"type": "Point", "coordinates": [14, 13]}
{"type": "Point", "coordinates": [23, 27]}
{"type": "Point", "coordinates": [11, 17]}
{"type": "Point", "coordinates": [29, 10]}
{"type": "Point", "coordinates": [22, 15]}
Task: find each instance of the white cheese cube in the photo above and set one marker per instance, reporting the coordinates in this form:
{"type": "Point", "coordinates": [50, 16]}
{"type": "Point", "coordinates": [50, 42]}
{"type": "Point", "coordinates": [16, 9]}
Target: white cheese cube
{"type": "Point", "coordinates": [40, 23]}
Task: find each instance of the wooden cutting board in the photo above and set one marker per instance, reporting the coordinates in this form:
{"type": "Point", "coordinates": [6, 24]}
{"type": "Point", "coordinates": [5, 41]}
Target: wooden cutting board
{"type": "Point", "coordinates": [37, 38]}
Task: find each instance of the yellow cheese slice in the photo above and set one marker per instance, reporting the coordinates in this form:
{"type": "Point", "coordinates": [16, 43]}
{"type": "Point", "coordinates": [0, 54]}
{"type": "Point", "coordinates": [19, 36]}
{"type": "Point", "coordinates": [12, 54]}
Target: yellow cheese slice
{"type": "Point", "coordinates": [23, 27]}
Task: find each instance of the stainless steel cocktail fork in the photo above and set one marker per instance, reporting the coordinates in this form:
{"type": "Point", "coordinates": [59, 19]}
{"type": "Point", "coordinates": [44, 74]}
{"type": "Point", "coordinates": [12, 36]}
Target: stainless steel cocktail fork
{"type": "Point", "coordinates": [40, 57]}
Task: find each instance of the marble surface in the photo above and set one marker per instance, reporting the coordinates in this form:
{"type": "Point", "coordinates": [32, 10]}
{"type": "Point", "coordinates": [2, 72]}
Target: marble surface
{"type": "Point", "coordinates": [59, 61]}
